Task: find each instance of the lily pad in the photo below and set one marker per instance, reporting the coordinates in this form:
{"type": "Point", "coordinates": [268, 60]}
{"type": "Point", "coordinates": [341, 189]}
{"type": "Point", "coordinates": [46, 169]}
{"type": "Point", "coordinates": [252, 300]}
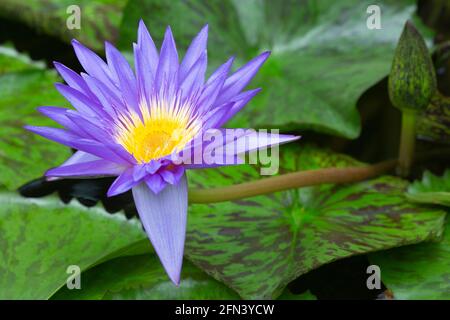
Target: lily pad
{"type": "Point", "coordinates": [417, 272]}
{"type": "Point", "coordinates": [142, 277]}
{"type": "Point", "coordinates": [434, 123]}
{"type": "Point", "coordinates": [24, 155]}
{"type": "Point", "coordinates": [431, 189]}
{"type": "Point", "coordinates": [11, 60]}
{"type": "Point", "coordinates": [41, 238]}
{"type": "Point", "coordinates": [323, 56]}
{"type": "Point", "coordinates": [258, 245]}
{"type": "Point", "coordinates": [99, 20]}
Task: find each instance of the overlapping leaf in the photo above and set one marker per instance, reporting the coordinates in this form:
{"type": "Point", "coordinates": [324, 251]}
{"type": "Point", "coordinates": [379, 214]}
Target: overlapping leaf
{"type": "Point", "coordinates": [257, 245]}
{"type": "Point", "coordinates": [434, 123]}
{"type": "Point", "coordinates": [431, 189]}
{"type": "Point", "coordinates": [142, 277]}
{"type": "Point", "coordinates": [24, 87]}
{"type": "Point", "coordinates": [99, 20]}
{"type": "Point", "coordinates": [12, 61]}
{"type": "Point", "coordinates": [40, 239]}
{"type": "Point", "coordinates": [417, 272]}
{"type": "Point", "coordinates": [323, 54]}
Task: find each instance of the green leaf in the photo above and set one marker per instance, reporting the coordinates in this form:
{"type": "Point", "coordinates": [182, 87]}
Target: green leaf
{"type": "Point", "coordinates": [417, 272]}
{"type": "Point", "coordinates": [323, 56]}
{"type": "Point", "coordinates": [142, 277]}
{"type": "Point", "coordinates": [40, 238]}
{"type": "Point", "coordinates": [99, 20]}
{"type": "Point", "coordinates": [432, 189]}
{"type": "Point", "coordinates": [434, 123]}
{"type": "Point", "coordinates": [24, 155]}
{"type": "Point", "coordinates": [11, 61]}
{"type": "Point", "coordinates": [258, 245]}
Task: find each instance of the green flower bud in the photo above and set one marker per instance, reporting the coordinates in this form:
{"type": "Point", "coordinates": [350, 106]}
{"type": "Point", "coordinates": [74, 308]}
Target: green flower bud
{"type": "Point", "coordinates": [412, 81]}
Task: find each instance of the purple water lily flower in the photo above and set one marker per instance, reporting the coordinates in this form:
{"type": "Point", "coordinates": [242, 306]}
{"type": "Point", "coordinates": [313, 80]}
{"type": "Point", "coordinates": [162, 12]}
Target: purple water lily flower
{"type": "Point", "coordinates": [128, 124]}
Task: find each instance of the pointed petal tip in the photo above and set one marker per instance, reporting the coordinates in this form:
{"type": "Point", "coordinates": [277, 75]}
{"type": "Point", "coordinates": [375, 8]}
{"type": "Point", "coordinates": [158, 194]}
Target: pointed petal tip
{"type": "Point", "coordinates": [57, 64]}
{"type": "Point", "coordinates": [77, 44]}
{"type": "Point", "coordinates": [205, 29]}
{"type": "Point", "coordinates": [264, 56]}
{"type": "Point", "coordinates": [111, 193]}
{"type": "Point", "coordinates": [175, 280]}
{"type": "Point", "coordinates": [167, 211]}
{"type": "Point", "coordinates": [28, 127]}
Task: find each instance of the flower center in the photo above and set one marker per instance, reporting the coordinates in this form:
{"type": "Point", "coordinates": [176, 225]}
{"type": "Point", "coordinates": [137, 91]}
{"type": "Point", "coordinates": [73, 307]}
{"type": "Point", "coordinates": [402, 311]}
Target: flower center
{"type": "Point", "coordinates": [159, 134]}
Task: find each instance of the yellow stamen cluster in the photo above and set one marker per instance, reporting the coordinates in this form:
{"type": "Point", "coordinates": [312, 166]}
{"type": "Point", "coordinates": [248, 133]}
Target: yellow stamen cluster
{"type": "Point", "coordinates": [165, 127]}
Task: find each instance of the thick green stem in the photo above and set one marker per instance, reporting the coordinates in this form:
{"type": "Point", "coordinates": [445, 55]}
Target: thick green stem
{"type": "Point", "coordinates": [407, 143]}
{"type": "Point", "coordinates": [289, 181]}
{"type": "Point", "coordinates": [303, 179]}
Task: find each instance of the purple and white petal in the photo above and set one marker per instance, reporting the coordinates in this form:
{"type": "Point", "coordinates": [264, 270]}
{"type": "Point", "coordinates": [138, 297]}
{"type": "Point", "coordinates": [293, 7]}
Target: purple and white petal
{"type": "Point", "coordinates": [164, 217]}
{"type": "Point", "coordinates": [122, 184]}
{"type": "Point", "coordinates": [239, 80]}
{"type": "Point", "coordinates": [96, 168]}
{"type": "Point", "coordinates": [196, 49]}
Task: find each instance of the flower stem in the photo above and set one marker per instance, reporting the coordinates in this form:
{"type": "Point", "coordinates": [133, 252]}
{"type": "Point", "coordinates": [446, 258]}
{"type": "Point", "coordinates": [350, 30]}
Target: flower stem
{"type": "Point", "coordinates": [303, 179]}
{"type": "Point", "coordinates": [289, 181]}
{"type": "Point", "coordinates": [407, 143]}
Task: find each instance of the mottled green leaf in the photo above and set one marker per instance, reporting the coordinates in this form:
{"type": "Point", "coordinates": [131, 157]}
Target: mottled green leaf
{"type": "Point", "coordinates": [24, 155]}
{"type": "Point", "coordinates": [431, 189]}
{"type": "Point", "coordinates": [434, 123]}
{"type": "Point", "coordinates": [99, 21]}
{"type": "Point", "coordinates": [417, 272]}
{"type": "Point", "coordinates": [142, 277]}
{"type": "Point", "coordinates": [40, 238]}
{"type": "Point", "coordinates": [323, 54]}
{"type": "Point", "coordinates": [258, 245]}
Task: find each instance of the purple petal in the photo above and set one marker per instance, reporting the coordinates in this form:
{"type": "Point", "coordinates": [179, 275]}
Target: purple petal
{"type": "Point", "coordinates": [73, 79]}
{"type": "Point", "coordinates": [102, 150]}
{"type": "Point", "coordinates": [77, 157]}
{"type": "Point", "coordinates": [195, 78]}
{"type": "Point", "coordinates": [92, 127]}
{"type": "Point", "coordinates": [213, 86]}
{"type": "Point", "coordinates": [153, 166]}
{"type": "Point", "coordinates": [155, 183]}
{"type": "Point", "coordinates": [94, 65]}
{"type": "Point", "coordinates": [56, 134]}
{"type": "Point", "coordinates": [168, 60]}
{"type": "Point", "coordinates": [239, 80]}
{"type": "Point", "coordinates": [139, 172]}
{"type": "Point", "coordinates": [80, 157]}
{"type": "Point", "coordinates": [59, 115]}
{"type": "Point", "coordinates": [164, 218]}
{"type": "Point", "coordinates": [97, 168]}
{"type": "Point", "coordinates": [147, 47]}
{"type": "Point", "coordinates": [253, 140]}
{"type": "Point", "coordinates": [215, 116]}
{"type": "Point", "coordinates": [78, 100]}
{"type": "Point", "coordinates": [127, 82]}
{"type": "Point", "coordinates": [107, 98]}
{"type": "Point", "coordinates": [146, 61]}
{"type": "Point", "coordinates": [195, 50]}
{"type": "Point", "coordinates": [173, 175]}
{"type": "Point", "coordinates": [122, 184]}
{"type": "Point", "coordinates": [106, 151]}
{"type": "Point", "coordinates": [241, 101]}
